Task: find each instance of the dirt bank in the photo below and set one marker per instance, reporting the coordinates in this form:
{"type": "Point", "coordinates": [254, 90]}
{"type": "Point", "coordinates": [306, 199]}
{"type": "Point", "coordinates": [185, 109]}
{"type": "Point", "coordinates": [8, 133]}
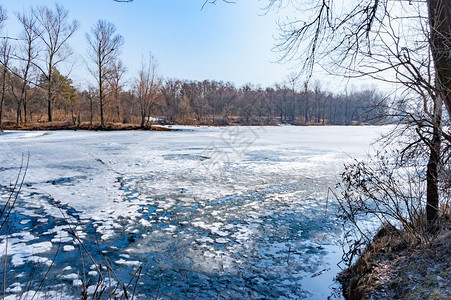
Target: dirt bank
{"type": "Point", "coordinates": [391, 268]}
{"type": "Point", "coordinates": [83, 126]}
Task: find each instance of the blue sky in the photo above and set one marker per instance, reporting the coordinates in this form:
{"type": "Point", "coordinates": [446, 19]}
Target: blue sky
{"type": "Point", "coordinates": [229, 42]}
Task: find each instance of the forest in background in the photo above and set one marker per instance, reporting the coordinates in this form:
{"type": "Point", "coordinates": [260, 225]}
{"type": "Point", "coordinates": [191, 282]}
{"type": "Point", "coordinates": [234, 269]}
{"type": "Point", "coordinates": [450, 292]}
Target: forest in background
{"type": "Point", "coordinates": [34, 90]}
{"type": "Point", "coordinates": [194, 103]}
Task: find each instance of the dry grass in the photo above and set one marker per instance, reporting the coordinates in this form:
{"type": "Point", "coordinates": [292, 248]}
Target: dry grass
{"type": "Point", "coordinates": [392, 268]}
{"type": "Point", "coordinates": [82, 126]}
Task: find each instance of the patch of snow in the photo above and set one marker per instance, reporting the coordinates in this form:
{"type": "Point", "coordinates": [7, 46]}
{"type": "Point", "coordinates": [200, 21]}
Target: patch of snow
{"type": "Point", "coordinates": [68, 248]}
{"type": "Point", "coordinates": [128, 263]}
{"type": "Point", "coordinates": [77, 282]}
{"type": "Point", "coordinates": [92, 273]}
{"type": "Point", "coordinates": [69, 277]}
{"type": "Point", "coordinates": [14, 288]}
{"type": "Point", "coordinates": [24, 221]}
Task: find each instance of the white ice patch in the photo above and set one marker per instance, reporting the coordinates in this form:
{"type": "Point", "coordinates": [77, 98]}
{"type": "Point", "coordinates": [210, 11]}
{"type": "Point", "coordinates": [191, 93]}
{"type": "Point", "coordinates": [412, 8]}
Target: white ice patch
{"type": "Point", "coordinates": [92, 273]}
{"type": "Point", "coordinates": [22, 252]}
{"type": "Point", "coordinates": [24, 221]}
{"type": "Point", "coordinates": [77, 282]}
{"type": "Point", "coordinates": [39, 260]}
{"type": "Point", "coordinates": [14, 288]}
{"type": "Point", "coordinates": [69, 277]}
{"type": "Point", "coordinates": [128, 263]}
{"type": "Point", "coordinates": [68, 248]}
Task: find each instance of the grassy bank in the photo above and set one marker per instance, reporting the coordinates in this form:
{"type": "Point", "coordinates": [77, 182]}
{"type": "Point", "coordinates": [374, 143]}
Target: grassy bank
{"type": "Point", "coordinates": [83, 126]}
{"type": "Point", "coordinates": [392, 267]}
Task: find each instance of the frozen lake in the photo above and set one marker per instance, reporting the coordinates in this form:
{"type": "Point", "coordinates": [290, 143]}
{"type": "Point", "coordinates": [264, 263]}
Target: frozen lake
{"type": "Point", "coordinates": [230, 212]}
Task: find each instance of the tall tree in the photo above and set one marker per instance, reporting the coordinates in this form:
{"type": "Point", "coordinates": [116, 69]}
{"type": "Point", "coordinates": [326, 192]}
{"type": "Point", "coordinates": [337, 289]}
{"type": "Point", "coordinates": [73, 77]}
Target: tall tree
{"type": "Point", "coordinates": [116, 85]}
{"type": "Point", "coordinates": [27, 55]}
{"type": "Point", "coordinates": [54, 30]}
{"type": "Point", "coordinates": [5, 54]}
{"type": "Point", "coordinates": [104, 49]}
{"type": "Point", "coordinates": [440, 41]}
{"type": "Point", "coordinates": [146, 87]}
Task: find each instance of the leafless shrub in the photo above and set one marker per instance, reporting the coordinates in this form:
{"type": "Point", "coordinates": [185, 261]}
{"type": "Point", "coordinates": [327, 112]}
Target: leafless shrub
{"type": "Point", "coordinates": [389, 191]}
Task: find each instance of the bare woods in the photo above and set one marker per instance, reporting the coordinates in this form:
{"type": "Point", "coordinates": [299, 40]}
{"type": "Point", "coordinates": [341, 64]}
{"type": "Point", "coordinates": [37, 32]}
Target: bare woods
{"type": "Point", "coordinates": [36, 87]}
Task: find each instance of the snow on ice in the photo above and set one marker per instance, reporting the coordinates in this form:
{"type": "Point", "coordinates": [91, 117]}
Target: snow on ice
{"type": "Point", "coordinates": [206, 211]}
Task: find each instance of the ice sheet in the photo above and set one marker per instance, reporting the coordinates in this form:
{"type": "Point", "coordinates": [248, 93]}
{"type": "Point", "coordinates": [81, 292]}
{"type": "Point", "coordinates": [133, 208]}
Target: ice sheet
{"type": "Point", "coordinates": [224, 211]}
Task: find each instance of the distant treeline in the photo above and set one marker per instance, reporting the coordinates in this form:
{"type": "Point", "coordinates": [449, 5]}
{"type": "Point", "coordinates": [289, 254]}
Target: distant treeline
{"type": "Point", "coordinates": [33, 89]}
{"type": "Point", "coordinates": [193, 102]}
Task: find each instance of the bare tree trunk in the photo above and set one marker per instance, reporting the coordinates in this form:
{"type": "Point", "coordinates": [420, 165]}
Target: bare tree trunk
{"type": "Point", "coordinates": [100, 74]}
{"type": "Point", "coordinates": [6, 50]}
{"type": "Point", "coordinates": [440, 23]}
{"type": "Point", "coordinates": [118, 112]}
{"type": "Point", "coordinates": [25, 111]}
{"type": "Point", "coordinates": [432, 192]}
{"type": "Point", "coordinates": [432, 182]}
{"type": "Point", "coordinates": [79, 117]}
{"type": "Point", "coordinates": [143, 117]}
{"type": "Point", "coordinates": [72, 114]}
{"type": "Point", "coordinates": [18, 113]}
{"type": "Point", "coordinates": [2, 99]}
{"type": "Point", "coordinates": [49, 103]}
{"type": "Point", "coordinates": [90, 111]}
{"type": "Point", "coordinates": [102, 120]}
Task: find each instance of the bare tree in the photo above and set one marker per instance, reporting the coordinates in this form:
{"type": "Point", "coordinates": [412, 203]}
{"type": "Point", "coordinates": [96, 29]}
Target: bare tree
{"type": "Point", "coordinates": [27, 55]}
{"type": "Point", "coordinates": [104, 49]}
{"type": "Point", "coordinates": [146, 87]}
{"type": "Point", "coordinates": [54, 30]}
{"type": "Point", "coordinates": [115, 82]}
{"type": "Point", "coordinates": [5, 56]}
{"type": "Point", "coordinates": [440, 40]}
